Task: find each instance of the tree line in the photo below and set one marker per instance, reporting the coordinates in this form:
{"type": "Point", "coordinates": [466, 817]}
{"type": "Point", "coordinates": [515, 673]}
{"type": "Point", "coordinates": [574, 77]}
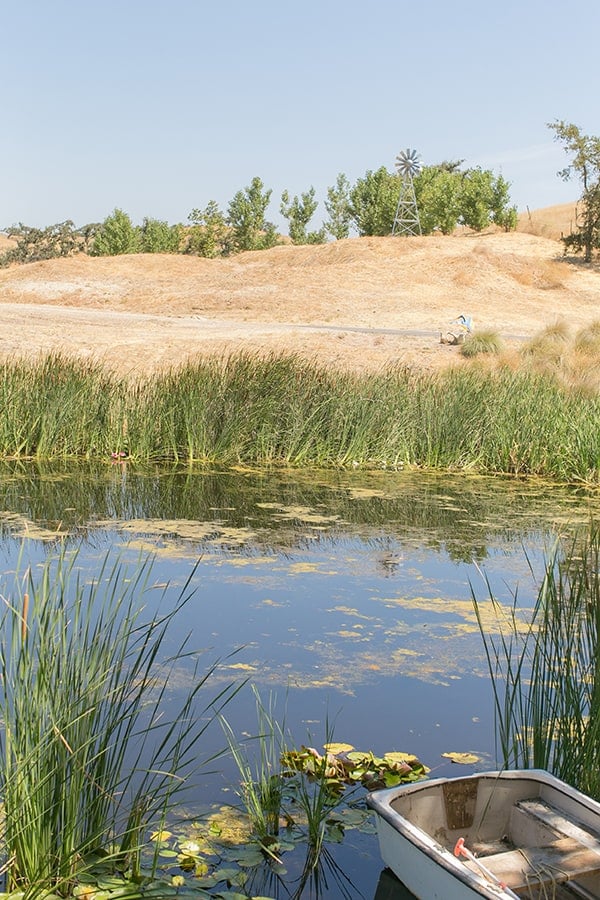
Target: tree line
{"type": "Point", "coordinates": [447, 196]}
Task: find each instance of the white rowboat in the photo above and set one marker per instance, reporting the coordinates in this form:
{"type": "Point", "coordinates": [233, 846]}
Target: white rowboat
{"type": "Point", "coordinates": [519, 834]}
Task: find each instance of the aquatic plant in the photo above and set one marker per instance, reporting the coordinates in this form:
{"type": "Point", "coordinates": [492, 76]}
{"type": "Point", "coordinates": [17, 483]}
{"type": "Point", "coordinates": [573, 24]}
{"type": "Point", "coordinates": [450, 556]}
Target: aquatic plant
{"type": "Point", "coordinates": [88, 757]}
{"type": "Point", "coordinates": [545, 669]}
{"type": "Point", "coordinates": [262, 780]}
{"type": "Point", "coordinates": [283, 411]}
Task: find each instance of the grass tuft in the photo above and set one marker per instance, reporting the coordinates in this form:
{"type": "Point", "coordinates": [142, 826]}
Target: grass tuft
{"type": "Point", "coordinates": [481, 342]}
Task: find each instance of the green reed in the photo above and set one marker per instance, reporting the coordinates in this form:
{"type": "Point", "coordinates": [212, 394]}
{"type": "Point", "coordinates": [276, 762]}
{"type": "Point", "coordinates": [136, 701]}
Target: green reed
{"type": "Point", "coordinates": [545, 669]}
{"type": "Point", "coordinates": [262, 779]}
{"type": "Point", "coordinates": [88, 758]}
{"type": "Point", "coordinates": [281, 410]}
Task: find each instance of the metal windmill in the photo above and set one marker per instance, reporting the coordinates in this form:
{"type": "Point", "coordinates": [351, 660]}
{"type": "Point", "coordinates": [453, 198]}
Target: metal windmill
{"type": "Point", "coordinates": [406, 220]}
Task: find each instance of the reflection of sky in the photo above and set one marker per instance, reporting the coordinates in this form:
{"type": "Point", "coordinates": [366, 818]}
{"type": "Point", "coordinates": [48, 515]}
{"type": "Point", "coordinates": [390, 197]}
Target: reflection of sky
{"type": "Point", "coordinates": [337, 617]}
{"type": "Point", "coordinates": [355, 608]}
{"type": "Point", "coordinates": [350, 587]}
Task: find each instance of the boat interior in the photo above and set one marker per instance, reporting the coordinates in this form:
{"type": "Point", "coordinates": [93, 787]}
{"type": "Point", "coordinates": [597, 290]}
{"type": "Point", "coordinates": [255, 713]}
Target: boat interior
{"type": "Point", "coordinates": [537, 840]}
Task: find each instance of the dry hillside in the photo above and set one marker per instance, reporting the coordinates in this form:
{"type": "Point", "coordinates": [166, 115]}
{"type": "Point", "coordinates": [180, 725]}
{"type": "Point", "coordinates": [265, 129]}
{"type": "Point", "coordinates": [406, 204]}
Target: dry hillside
{"type": "Point", "coordinates": [361, 302]}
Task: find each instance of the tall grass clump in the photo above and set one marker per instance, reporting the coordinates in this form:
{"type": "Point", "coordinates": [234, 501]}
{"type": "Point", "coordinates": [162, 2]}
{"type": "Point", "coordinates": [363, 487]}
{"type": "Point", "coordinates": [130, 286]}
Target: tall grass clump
{"type": "Point", "coordinates": [88, 759]}
{"type": "Point", "coordinates": [57, 406]}
{"type": "Point", "coordinates": [549, 347]}
{"type": "Point", "coordinates": [481, 342]}
{"type": "Point", "coordinates": [545, 670]}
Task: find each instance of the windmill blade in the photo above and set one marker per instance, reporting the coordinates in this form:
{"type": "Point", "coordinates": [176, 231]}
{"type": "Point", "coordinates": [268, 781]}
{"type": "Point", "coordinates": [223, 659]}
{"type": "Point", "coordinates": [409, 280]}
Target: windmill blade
{"type": "Point", "coordinates": [408, 163]}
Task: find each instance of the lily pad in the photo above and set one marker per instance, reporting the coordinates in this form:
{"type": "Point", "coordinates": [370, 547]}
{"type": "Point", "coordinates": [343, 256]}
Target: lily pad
{"type": "Point", "coordinates": [336, 748]}
{"type": "Point", "coordinates": [464, 759]}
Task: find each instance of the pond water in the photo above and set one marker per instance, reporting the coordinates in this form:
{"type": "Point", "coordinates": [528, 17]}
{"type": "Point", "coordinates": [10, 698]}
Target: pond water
{"type": "Point", "coordinates": [347, 596]}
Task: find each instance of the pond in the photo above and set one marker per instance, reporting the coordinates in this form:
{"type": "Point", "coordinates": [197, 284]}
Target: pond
{"type": "Point", "coordinates": [346, 596]}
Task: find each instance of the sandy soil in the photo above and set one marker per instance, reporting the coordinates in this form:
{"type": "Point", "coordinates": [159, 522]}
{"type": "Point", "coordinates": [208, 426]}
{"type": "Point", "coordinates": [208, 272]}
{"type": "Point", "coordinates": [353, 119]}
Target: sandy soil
{"type": "Point", "coordinates": [358, 303]}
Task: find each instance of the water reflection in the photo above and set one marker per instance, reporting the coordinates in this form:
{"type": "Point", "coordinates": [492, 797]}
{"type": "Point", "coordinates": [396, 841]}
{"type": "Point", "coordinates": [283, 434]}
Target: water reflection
{"type": "Point", "coordinates": [348, 592]}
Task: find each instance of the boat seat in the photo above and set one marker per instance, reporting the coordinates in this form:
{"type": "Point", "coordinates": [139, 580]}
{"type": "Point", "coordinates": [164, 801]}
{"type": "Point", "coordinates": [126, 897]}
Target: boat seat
{"type": "Point", "coordinates": [553, 819]}
{"type": "Point", "coordinates": [556, 863]}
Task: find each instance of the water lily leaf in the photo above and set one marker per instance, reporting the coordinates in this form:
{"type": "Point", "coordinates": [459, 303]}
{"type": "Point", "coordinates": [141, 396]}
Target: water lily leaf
{"type": "Point", "coordinates": [335, 833]}
{"type": "Point", "coordinates": [397, 756]}
{"type": "Point", "coordinates": [250, 858]}
{"type": "Point", "coordinates": [161, 835]}
{"type": "Point", "coordinates": [462, 758]}
{"type": "Point", "coordinates": [231, 895]}
{"type": "Point", "coordinates": [335, 749]}
{"type": "Point", "coordinates": [359, 756]}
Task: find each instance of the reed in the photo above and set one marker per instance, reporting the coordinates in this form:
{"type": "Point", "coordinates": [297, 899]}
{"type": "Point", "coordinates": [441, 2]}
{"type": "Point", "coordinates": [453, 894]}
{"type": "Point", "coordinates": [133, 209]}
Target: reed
{"type": "Point", "coordinates": [280, 410]}
{"type": "Point", "coordinates": [545, 670]}
{"type": "Point", "coordinates": [88, 757]}
{"type": "Point", "coordinates": [262, 779]}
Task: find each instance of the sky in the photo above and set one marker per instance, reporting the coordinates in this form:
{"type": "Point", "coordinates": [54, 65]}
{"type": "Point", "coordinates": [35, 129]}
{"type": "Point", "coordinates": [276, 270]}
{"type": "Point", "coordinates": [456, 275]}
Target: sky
{"type": "Point", "coordinates": [159, 106]}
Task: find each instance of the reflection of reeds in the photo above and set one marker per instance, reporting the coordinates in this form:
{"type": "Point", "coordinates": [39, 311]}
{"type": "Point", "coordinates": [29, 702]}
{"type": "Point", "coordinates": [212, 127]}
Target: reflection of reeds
{"type": "Point", "coordinates": [88, 757]}
{"type": "Point", "coordinates": [546, 676]}
{"type": "Point", "coordinates": [281, 410]}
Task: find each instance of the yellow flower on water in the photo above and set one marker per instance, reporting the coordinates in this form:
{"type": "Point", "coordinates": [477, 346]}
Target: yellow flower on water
{"type": "Point", "coordinates": [177, 880]}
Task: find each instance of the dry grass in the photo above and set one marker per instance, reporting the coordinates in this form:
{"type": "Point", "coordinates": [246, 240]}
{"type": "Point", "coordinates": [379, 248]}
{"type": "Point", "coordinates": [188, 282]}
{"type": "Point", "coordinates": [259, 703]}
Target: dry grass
{"type": "Point", "coordinates": [366, 295]}
{"type": "Point", "coordinates": [550, 222]}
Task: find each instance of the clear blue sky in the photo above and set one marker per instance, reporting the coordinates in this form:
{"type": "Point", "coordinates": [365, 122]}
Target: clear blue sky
{"type": "Point", "coordinates": [158, 106]}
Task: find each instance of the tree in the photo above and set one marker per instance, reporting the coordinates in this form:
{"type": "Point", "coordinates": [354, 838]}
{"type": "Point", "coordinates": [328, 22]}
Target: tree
{"type": "Point", "coordinates": [246, 215]}
{"type": "Point", "coordinates": [338, 208]}
{"type": "Point", "coordinates": [585, 163]}
{"type": "Point", "coordinates": [34, 244]}
{"type": "Point", "coordinates": [373, 202]}
{"type": "Point", "coordinates": [299, 212]}
{"type": "Point", "coordinates": [159, 237]}
{"type": "Point", "coordinates": [209, 234]}
{"type": "Point", "coordinates": [437, 190]}
{"type": "Point", "coordinates": [117, 235]}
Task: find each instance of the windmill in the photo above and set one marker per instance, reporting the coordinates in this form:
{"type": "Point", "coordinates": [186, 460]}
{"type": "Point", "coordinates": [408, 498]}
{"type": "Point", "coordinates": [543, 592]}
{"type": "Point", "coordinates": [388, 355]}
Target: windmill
{"type": "Point", "coordinates": [406, 220]}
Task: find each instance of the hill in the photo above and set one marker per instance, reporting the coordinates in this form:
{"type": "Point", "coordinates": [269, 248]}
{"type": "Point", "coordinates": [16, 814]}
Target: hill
{"type": "Point", "coordinates": [361, 302]}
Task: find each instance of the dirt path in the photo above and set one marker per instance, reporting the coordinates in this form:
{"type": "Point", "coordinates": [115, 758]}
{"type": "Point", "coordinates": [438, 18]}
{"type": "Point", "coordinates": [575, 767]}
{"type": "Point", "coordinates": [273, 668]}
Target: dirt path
{"type": "Point", "coordinates": [358, 304]}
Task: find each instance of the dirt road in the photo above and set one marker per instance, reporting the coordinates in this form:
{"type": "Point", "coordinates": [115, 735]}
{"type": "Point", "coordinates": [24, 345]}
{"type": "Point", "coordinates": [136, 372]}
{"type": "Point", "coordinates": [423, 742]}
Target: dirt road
{"type": "Point", "coordinates": [359, 303]}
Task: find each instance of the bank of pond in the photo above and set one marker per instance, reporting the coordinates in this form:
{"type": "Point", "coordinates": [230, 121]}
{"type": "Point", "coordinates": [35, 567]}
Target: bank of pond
{"type": "Point", "coordinates": [284, 411]}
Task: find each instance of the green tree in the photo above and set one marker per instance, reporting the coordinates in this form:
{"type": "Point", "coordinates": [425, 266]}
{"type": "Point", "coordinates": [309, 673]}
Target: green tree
{"type": "Point", "coordinates": [373, 202]}
{"type": "Point", "coordinates": [159, 237]}
{"type": "Point", "coordinates": [246, 216]}
{"type": "Point", "coordinates": [585, 164]}
{"type": "Point", "coordinates": [503, 215]}
{"type": "Point", "coordinates": [209, 234]}
{"type": "Point", "coordinates": [338, 208]}
{"type": "Point", "coordinates": [438, 191]}
{"type": "Point", "coordinates": [117, 235]}
{"type": "Point", "coordinates": [299, 212]}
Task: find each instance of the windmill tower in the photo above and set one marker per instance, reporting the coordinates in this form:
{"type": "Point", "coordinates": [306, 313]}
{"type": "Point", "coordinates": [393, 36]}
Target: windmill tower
{"type": "Point", "coordinates": [406, 220]}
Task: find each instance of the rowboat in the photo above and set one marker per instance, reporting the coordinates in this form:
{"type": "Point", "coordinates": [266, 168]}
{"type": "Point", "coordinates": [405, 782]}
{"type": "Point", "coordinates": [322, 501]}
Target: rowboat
{"type": "Point", "coordinates": [498, 835]}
